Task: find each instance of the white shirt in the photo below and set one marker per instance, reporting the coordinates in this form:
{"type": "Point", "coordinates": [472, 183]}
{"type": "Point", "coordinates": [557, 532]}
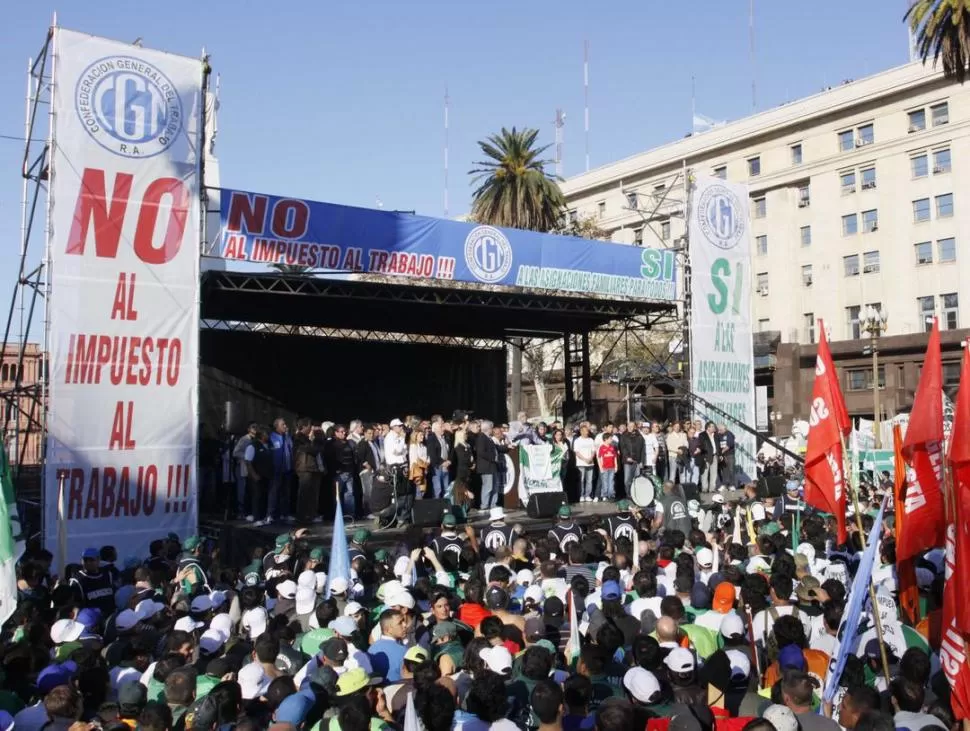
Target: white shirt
{"type": "Point", "coordinates": [395, 449]}
{"type": "Point", "coordinates": [651, 450]}
{"type": "Point", "coordinates": [584, 448]}
{"type": "Point", "coordinates": [637, 607]}
{"type": "Point", "coordinates": [711, 619]}
{"type": "Point", "coordinates": [418, 453]}
{"type": "Point", "coordinates": [763, 619]}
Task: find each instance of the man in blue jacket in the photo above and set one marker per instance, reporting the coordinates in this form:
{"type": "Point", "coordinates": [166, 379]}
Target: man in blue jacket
{"type": "Point", "coordinates": [281, 445]}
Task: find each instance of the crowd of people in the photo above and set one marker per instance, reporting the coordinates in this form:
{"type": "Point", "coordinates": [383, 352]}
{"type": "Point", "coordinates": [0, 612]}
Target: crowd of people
{"type": "Point", "coordinates": [642, 621]}
{"type": "Point", "coordinates": [295, 478]}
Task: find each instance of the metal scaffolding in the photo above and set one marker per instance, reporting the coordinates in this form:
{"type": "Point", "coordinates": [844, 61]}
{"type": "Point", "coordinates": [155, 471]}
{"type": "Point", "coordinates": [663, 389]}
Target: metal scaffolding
{"type": "Point", "coordinates": [25, 404]}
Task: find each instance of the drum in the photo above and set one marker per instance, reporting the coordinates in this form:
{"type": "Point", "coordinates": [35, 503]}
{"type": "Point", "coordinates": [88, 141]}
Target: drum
{"type": "Point", "coordinates": [642, 491]}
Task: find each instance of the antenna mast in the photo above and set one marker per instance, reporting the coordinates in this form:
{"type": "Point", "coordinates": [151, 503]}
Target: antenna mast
{"type": "Point", "coordinates": [446, 151]}
{"type": "Point", "coordinates": [586, 96]}
{"type": "Point", "coordinates": [560, 122]}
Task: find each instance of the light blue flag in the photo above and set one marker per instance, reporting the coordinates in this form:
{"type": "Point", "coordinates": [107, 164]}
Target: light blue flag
{"type": "Point", "coordinates": [858, 595]}
{"type": "Point", "coordinates": [339, 555]}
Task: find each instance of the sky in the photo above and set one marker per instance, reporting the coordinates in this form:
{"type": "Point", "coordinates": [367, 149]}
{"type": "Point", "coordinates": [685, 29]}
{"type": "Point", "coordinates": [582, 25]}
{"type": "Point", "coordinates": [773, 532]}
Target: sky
{"type": "Point", "coordinates": [344, 101]}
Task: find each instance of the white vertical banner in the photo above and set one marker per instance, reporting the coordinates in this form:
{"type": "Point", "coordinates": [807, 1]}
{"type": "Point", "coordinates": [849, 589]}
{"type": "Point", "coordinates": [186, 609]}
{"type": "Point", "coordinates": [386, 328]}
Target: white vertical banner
{"type": "Point", "coordinates": [722, 352]}
{"type": "Point", "coordinates": [124, 308]}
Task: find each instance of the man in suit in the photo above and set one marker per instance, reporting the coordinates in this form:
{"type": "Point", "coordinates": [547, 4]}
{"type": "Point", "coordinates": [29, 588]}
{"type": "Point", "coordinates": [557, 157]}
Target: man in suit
{"type": "Point", "coordinates": [707, 455]}
{"type": "Point", "coordinates": [439, 459]}
{"type": "Point", "coordinates": [368, 461]}
{"type": "Point", "coordinates": [486, 458]}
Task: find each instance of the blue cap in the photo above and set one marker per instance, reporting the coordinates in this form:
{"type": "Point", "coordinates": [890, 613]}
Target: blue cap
{"type": "Point", "coordinates": [611, 590]}
{"type": "Point", "coordinates": [293, 709]}
{"type": "Point", "coordinates": [791, 657]}
{"type": "Point", "coordinates": [89, 617]}
{"type": "Point", "coordinates": [55, 675]}
{"type": "Point", "coordinates": [91, 553]}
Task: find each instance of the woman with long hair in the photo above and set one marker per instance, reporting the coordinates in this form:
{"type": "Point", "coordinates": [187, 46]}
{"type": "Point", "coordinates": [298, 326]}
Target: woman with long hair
{"type": "Point", "coordinates": [560, 448]}
{"type": "Point", "coordinates": [418, 461]}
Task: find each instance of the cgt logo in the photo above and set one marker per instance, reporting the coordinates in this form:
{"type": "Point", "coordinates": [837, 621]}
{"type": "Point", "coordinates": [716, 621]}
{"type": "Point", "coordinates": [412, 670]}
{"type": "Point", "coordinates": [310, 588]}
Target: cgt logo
{"type": "Point", "coordinates": [128, 106]}
{"type": "Point", "coordinates": [488, 254]}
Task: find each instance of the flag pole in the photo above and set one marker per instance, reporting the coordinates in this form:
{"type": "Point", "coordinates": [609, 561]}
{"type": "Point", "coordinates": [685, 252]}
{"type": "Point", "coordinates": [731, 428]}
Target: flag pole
{"type": "Point", "coordinates": [854, 483]}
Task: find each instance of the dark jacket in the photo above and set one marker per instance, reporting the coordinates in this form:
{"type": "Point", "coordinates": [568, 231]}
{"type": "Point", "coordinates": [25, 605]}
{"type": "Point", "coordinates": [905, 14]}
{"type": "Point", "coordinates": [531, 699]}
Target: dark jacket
{"type": "Point", "coordinates": [365, 455]}
{"type": "Point", "coordinates": [341, 456]}
{"type": "Point", "coordinates": [435, 454]}
{"type": "Point", "coordinates": [487, 454]}
{"type": "Point", "coordinates": [463, 463]}
{"type": "Point", "coordinates": [304, 454]}
{"type": "Point", "coordinates": [708, 451]}
{"type": "Point", "coordinates": [632, 447]}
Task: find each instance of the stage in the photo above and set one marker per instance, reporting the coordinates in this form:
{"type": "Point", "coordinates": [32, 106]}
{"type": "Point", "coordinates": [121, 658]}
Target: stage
{"type": "Point", "coordinates": [237, 539]}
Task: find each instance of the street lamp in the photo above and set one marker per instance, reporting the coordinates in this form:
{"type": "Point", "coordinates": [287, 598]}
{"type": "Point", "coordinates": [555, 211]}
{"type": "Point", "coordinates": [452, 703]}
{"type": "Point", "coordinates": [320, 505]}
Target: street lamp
{"type": "Point", "coordinates": [874, 323]}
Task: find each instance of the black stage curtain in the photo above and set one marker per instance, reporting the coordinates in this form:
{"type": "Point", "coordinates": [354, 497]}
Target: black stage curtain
{"type": "Point", "coordinates": [339, 380]}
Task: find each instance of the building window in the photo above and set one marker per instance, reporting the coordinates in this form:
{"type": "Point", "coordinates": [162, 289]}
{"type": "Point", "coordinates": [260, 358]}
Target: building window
{"type": "Point", "coordinates": [924, 252]}
{"type": "Point", "coordinates": [721, 172]}
{"type": "Point", "coordinates": [761, 242]}
{"type": "Point", "coordinates": [763, 284]}
{"type": "Point", "coordinates": [947, 250]}
{"type": "Point", "coordinates": [574, 216]}
{"type": "Point", "coordinates": [917, 120]}
{"type": "Point", "coordinates": [809, 320]}
{"type": "Point", "coordinates": [921, 210]}
{"type": "Point", "coordinates": [866, 135]}
{"type": "Point", "coordinates": [870, 221]}
{"type": "Point", "coordinates": [806, 275]}
{"type": "Point", "coordinates": [601, 209]}
{"type": "Point", "coordinates": [851, 265]}
{"type": "Point", "coordinates": [804, 195]}
{"type": "Point", "coordinates": [940, 114]}
{"type": "Point", "coordinates": [847, 182]}
{"type": "Point", "coordinates": [764, 325]}
{"type": "Point", "coordinates": [665, 230]}
{"type": "Point", "coordinates": [631, 201]}
{"type": "Point", "coordinates": [860, 379]}
{"type": "Point", "coordinates": [868, 176]}
{"type": "Point", "coordinates": [659, 188]}
{"type": "Point", "coordinates": [760, 207]}
{"type": "Point", "coordinates": [870, 262]}
{"type": "Point", "coordinates": [850, 224]}
{"type": "Point", "coordinates": [941, 161]}
{"type": "Point", "coordinates": [951, 311]}
{"type": "Point", "coordinates": [846, 140]}
{"type": "Point", "coordinates": [805, 233]}
{"type": "Point", "coordinates": [754, 167]}
{"type": "Point", "coordinates": [919, 165]}
{"type": "Point", "coordinates": [638, 236]}
{"type": "Point", "coordinates": [4, 372]}
{"type": "Point", "coordinates": [951, 375]}
{"type": "Point", "coordinates": [944, 205]}
{"type": "Point", "coordinates": [926, 309]}
{"type": "Point", "coordinates": [853, 328]}
{"type": "Point", "coordinates": [796, 154]}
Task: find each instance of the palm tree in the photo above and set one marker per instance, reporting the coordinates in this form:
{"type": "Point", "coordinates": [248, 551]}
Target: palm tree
{"type": "Point", "coordinates": [291, 268]}
{"type": "Point", "coordinates": [942, 30]}
{"type": "Point", "coordinates": [514, 189]}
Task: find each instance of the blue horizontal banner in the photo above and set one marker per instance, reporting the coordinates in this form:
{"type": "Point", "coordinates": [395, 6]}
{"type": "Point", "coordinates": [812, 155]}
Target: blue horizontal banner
{"type": "Point", "coordinates": [273, 230]}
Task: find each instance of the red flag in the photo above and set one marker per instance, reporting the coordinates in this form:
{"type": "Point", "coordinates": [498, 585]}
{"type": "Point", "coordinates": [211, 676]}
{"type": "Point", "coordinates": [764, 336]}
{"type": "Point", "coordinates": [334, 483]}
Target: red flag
{"type": "Point", "coordinates": [905, 569]}
{"type": "Point", "coordinates": [959, 459]}
{"type": "Point", "coordinates": [838, 400]}
{"type": "Point", "coordinates": [923, 451]}
{"type": "Point", "coordinates": [824, 473]}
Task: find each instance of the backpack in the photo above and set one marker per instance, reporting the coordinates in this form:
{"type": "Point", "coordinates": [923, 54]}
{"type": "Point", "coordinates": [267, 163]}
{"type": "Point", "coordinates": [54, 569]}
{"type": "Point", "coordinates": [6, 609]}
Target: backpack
{"type": "Point", "coordinates": [771, 642]}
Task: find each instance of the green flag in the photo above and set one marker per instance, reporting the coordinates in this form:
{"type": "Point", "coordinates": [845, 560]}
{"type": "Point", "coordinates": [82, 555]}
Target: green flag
{"type": "Point", "coordinates": [9, 535]}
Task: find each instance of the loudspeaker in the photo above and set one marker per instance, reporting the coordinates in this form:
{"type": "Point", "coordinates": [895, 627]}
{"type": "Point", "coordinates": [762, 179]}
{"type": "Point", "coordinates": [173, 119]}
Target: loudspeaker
{"type": "Point", "coordinates": [544, 504]}
{"type": "Point", "coordinates": [428, 513]}
{"type": "Point", "coordinates": [771, 486]}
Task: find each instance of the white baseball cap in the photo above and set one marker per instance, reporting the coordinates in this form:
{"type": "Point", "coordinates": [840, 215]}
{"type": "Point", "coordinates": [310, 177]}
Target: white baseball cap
{"type": "Point", "coordinates": [498, 659]}
{"type": "Point", "coordinates": [126, 620]}
{"type": "Point", "coordinates": [396, 422]}
{"type": "Point", "coordinates": [254, 621]}
{"type": "Point", "coordinates": [187, 624]}
{"type": "Point", "coordinates": [286, 589]}
{"type": "Point", "coordinates": [253, 681]}
{"type": "Point", "coordinates": [401, 598]}
{"type": "Point", "coordinates": [65, 630]}
{"type": "Point", "coordinates": [781, 717]}
{"type": "Point", "coordinates": [740, 664]}
{"type": "Point", "coordinates": [641, 683]}
{"type": "Point", "coordinates": [148, 608]}
{"type": "Point", "coordinates": [344, 626]}
{"type": "Point", "coordinates": [525, 577]}
{"type": "Point", "coordinates": [212, 641]}
{"type": "Point", "coordinates": [534, 592]}
{"type": "Point", "coordinates": [731, 625]}
{"type": "Point", "coordinates": [680, 660]}
{"type": "Point", "coordinates": [353, 608]}
{"type": "Point", "coordinates": [306, 599]}
{"type": "Point", "coordinates": [338, 585]}
{"type": "Point", "coordinates": [222, 623]}
{"type": "Point", "coordinates": [705, 558]}
{"type": "Point", "coordinates": [496, 514]}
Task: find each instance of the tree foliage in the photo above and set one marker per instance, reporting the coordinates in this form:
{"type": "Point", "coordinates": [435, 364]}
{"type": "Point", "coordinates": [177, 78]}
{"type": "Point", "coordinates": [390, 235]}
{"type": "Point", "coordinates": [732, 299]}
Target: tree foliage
{"type": "Point", "coordinates": [942, 31]}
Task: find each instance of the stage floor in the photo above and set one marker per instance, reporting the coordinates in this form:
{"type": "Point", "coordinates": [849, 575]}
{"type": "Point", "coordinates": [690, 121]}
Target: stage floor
{"type": "Point", "coordinates": [237, 539]}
